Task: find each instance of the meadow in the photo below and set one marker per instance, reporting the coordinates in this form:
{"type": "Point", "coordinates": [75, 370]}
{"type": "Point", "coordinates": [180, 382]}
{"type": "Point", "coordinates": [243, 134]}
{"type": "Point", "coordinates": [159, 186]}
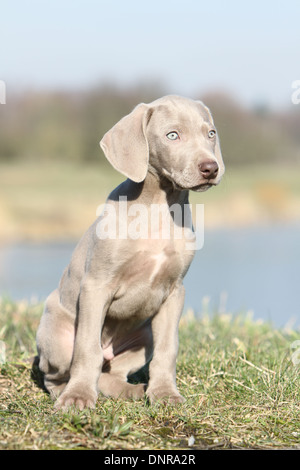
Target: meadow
{"type": "Point", "coordinates": [240, 379]}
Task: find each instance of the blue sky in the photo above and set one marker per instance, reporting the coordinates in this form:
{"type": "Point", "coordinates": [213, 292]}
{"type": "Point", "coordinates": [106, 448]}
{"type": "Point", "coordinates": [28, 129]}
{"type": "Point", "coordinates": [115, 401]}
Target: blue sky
{"type": "Point", "coordinates": [250, 49]}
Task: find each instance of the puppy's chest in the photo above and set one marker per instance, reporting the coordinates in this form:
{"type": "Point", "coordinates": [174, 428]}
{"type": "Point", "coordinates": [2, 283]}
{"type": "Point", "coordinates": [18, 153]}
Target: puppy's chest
{"type": "Point", "coordinates": [147, 279]}
{"type": "Point", "coordinates": [157, 263]}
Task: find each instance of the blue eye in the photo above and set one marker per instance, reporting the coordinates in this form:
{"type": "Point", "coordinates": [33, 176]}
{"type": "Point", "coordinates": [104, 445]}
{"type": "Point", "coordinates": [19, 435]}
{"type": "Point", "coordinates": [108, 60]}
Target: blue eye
{"type": "Point", "coordinates": [173, 135]}
{"type": "Point", "coordinates": [211, 134]}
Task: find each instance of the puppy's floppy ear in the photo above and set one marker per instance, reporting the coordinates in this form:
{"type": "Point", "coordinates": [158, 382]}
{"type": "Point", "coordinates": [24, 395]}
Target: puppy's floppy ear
{"type": "Point", "coordinates": [125, 145]}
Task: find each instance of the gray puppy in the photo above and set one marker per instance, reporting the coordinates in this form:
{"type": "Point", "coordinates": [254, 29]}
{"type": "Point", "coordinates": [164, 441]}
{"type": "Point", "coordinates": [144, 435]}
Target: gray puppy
{"type": "Point", "coordinates": [120, 299]}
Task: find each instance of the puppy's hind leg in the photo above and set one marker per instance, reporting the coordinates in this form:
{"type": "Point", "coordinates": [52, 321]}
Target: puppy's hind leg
{"type": "Point", "coordinates": [113, 379]}
{"type": "Point", "coordinates": [55, 344]}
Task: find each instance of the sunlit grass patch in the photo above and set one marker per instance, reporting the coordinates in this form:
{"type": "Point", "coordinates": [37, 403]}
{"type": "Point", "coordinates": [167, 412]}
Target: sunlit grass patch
{"type": "Point", "coordinates": [238, 376]}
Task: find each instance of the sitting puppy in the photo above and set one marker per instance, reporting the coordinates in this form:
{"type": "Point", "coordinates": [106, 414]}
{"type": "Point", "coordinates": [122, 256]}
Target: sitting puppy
{"type": "Point", "coordinates": [119, 301]}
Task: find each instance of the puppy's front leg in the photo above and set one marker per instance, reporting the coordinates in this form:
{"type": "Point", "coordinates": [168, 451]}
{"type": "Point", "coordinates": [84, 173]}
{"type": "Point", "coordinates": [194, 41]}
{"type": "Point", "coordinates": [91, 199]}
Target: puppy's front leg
{"type": "Point", "coordinates": [162, 369]}
{"type": "Point", "coordinates": [81, 389]}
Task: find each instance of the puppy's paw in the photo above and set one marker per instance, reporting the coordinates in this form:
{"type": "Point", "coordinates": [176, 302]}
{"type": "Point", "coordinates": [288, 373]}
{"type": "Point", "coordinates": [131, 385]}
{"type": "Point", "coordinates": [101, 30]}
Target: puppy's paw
{"type": "Point", "coordinates": [164, 395]}
{"type": "Point", "coordinates": [78, 397]}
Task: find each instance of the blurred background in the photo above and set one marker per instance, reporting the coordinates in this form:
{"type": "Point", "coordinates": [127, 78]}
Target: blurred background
{"type": "Point", "coordinates": [72, 69]}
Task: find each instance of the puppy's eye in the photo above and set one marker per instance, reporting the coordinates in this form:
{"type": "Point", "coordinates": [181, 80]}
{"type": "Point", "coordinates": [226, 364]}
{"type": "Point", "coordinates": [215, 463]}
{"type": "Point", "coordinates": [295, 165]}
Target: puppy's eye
{"type": "Point", "coordinates": [211, 134]}
{"type": "Point", "coordinates": [173, 135]}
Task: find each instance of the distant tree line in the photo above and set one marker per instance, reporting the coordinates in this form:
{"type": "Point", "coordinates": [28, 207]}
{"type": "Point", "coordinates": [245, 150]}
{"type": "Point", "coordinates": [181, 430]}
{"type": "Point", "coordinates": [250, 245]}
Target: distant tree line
{"type": "Point", "coordinates": [68, 126]}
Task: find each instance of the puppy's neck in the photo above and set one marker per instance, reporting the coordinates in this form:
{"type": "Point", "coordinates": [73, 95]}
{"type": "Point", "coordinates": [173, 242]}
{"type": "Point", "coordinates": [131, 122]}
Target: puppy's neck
{"type": "Point", "coordinates": [157, 189]}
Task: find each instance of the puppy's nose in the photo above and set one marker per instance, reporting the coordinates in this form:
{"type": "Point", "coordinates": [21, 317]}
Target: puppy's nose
{"type": "Point", "coordinates": [209, 169]}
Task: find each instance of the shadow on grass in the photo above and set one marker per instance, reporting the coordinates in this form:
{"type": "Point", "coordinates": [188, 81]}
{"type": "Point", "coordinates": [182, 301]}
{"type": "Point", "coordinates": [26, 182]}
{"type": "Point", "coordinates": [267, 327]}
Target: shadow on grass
{"type": "Point", "coordinates": [37, 376]}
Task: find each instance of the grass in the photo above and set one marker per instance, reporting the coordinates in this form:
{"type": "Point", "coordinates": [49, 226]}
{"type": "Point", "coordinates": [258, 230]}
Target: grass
{"type": "Point", "coordinates": [239, 377]}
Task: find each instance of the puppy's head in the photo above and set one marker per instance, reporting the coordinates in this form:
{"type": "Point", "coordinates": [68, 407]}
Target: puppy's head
{"type": "Point", "coordinates": [174, 136]}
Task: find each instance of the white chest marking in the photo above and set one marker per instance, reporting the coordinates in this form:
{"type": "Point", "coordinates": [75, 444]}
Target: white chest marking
{"type": "Point", "coordinates": [160, 259]}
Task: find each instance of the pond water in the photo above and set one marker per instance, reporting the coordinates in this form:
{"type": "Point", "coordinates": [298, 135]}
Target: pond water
{"type": "Point", "coordinates": [236, 271]}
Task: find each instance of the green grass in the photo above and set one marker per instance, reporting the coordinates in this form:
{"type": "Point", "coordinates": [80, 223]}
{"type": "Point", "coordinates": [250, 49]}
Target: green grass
{"type": "Point", "coordinates": [240, 383]}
